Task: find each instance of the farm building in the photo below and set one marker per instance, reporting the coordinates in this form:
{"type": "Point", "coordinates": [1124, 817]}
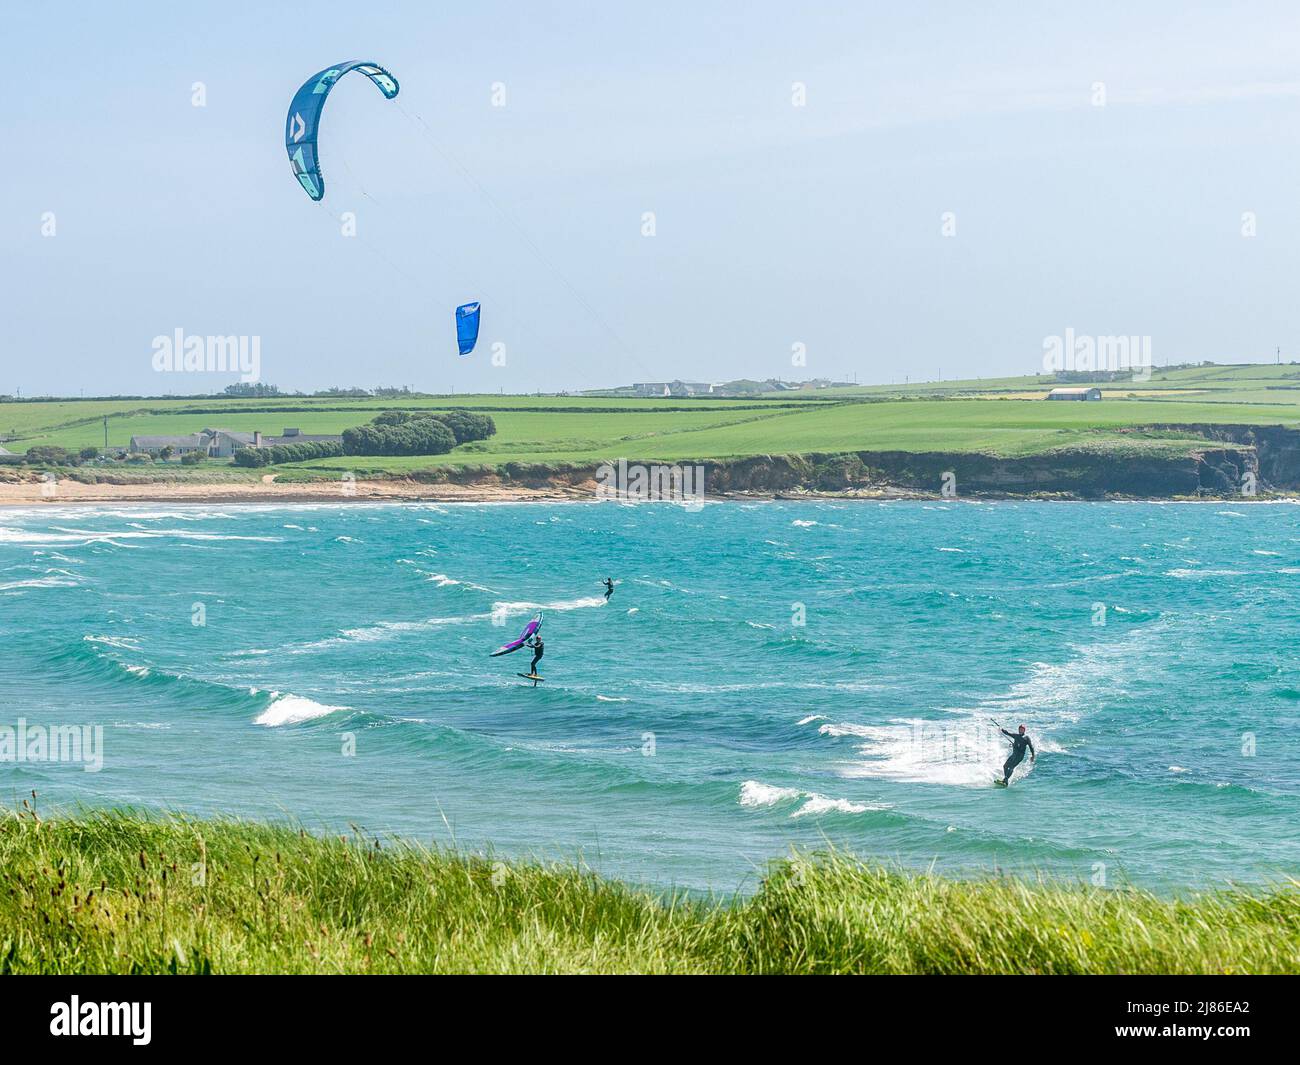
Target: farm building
{"type": "Point", "coordinates": [1075, 393]}
{"type": "Point", "coordinates": [223, 443]}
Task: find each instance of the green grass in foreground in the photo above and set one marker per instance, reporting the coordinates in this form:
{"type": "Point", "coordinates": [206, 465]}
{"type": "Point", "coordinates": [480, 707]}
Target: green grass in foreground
{"type": "Point", "coordinates": [116, 892]}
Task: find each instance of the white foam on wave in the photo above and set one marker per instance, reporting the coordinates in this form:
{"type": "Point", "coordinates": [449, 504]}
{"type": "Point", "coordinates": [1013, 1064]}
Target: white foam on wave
{"type": "Point", "coordinates": [700, 689]}
{"type": "Point", "coordinates": [385, 630]}
{"type": "Point", "coordinates": [921, 751]}
{"type": "Point", "coordinates": [51, 581]}
{"type": "Point", "coordinates": [560, 604]}
{"type": "Point", "coordinates": [756, 794]}
{"type": "Point", "coordinates": [122, 643]}
{"type": "Point", "coordinates": [442, 580]}
{"type": "Point", "coordinates": [964, 748]}
{"type": "Point", "coordinates": [292, 709]}
{"type": "Point", "coordinates": [195, 513]}
{"type": "Point", "coordinates": [62, 535]}
{"type": "Point", "coordinates": [169, 534]}
{"type": "Point", "coordinates": [820, 804]}
{"type": "Point", "coordinates": [1194, 574]}
{"type": "Point", "coordinates": [382, 630]}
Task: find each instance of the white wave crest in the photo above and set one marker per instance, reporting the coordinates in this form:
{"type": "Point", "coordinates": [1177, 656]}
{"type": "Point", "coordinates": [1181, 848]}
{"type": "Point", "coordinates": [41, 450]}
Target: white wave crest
{"type": "Point", "coordinates": [291, 710]}
{"type": "Point", "coordinates": [754, 793]}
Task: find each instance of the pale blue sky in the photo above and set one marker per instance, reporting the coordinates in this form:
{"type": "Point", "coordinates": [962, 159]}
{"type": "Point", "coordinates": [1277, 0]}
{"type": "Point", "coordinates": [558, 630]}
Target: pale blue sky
{"type": "Point", "coordinates": [776, 225]}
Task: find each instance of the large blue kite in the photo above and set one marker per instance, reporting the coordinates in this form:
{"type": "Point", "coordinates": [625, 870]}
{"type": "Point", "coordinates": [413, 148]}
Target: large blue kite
{"type": "Point", "coordinates": [303, 124]}
{"type": "Point", "coordinates": [467, 327]}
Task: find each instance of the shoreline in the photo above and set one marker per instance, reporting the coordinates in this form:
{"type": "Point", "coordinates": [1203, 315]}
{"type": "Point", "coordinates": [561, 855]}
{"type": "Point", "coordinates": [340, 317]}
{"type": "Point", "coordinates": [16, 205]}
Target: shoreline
{"type": "Point", "coordinates": [30, 494]}
{"type": "Point", "coordinates": [70, 492]}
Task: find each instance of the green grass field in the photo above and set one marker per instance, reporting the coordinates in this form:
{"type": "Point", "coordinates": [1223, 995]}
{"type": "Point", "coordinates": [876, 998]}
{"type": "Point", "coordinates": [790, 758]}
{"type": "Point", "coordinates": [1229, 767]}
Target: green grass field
{"type": "Point", "coordinates": [120, 893]}
{"type": "Point", "coordinates": [993, 416]}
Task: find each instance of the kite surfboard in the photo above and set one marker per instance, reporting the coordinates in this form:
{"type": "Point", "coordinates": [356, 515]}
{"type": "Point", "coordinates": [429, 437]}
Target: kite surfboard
{"type": "Point", "coordinates": [531, 676]}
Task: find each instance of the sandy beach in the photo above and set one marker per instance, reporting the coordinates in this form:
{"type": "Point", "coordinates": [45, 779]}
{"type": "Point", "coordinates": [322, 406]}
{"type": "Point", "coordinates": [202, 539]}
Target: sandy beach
{"type": "Point", "coordinates": [29, 493]}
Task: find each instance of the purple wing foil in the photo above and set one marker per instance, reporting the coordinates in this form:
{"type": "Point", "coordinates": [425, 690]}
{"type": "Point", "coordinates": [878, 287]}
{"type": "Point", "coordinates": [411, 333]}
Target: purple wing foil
{"type": "Point", "coordinates": [514, 645]}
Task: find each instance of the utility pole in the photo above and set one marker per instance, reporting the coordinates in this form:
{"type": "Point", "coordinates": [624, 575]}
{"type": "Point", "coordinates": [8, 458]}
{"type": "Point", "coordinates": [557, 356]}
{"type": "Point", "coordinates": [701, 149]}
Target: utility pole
{"type": "Point", "coordinates": [105, 432]}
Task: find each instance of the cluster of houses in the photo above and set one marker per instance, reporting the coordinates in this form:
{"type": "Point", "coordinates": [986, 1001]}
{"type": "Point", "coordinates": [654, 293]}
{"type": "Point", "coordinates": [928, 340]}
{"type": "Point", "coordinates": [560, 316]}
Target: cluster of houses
{"type": "Point", "coordinates": [673, 388]}
{"type": "Point", "coordinates": [679, 389]}
{"type": "Point", "coordinates": [220, 443]}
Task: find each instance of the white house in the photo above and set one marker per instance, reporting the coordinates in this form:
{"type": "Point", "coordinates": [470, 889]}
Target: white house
{"type": "Point", "coordinates": [180, 445]}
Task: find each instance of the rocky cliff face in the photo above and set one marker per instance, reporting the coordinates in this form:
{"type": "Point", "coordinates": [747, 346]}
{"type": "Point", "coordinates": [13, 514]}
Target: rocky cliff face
{"type": "Point", "coordinates": [1232, 457]}
{"type": "Point", "coordinates": [1277, 449]}
{"type": "Point", "coordinates": [1081, 474]}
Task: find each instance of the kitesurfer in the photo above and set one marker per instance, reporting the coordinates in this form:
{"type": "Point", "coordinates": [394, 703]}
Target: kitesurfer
{"type": "Point", "coordinates": [609, 588]}
{"type": "Point", "coordinates": [535, 642]}
{"type": "Point", "coordinates": [1019, 741]}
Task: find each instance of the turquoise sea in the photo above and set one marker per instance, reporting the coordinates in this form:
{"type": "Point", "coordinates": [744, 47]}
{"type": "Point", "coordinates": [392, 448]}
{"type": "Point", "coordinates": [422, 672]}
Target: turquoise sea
{"type": "Point", "coordinates": [331, 664]}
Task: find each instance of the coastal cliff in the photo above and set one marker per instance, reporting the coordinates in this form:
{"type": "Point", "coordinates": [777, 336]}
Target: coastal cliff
{"type": "Point", "coordinates": [1236, 461]}
{"type": "Point", "coordinates": [1074, 474]}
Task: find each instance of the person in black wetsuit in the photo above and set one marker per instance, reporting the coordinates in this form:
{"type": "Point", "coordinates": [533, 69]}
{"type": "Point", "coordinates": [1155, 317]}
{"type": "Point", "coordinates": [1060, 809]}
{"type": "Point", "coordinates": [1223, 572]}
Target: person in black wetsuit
{"type": "Point", "coordinates": [609, 588]}
{"type": "Point", "coordinates": [1019, 741]}
{"type": "Point", "coordinates": [539, 649]}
